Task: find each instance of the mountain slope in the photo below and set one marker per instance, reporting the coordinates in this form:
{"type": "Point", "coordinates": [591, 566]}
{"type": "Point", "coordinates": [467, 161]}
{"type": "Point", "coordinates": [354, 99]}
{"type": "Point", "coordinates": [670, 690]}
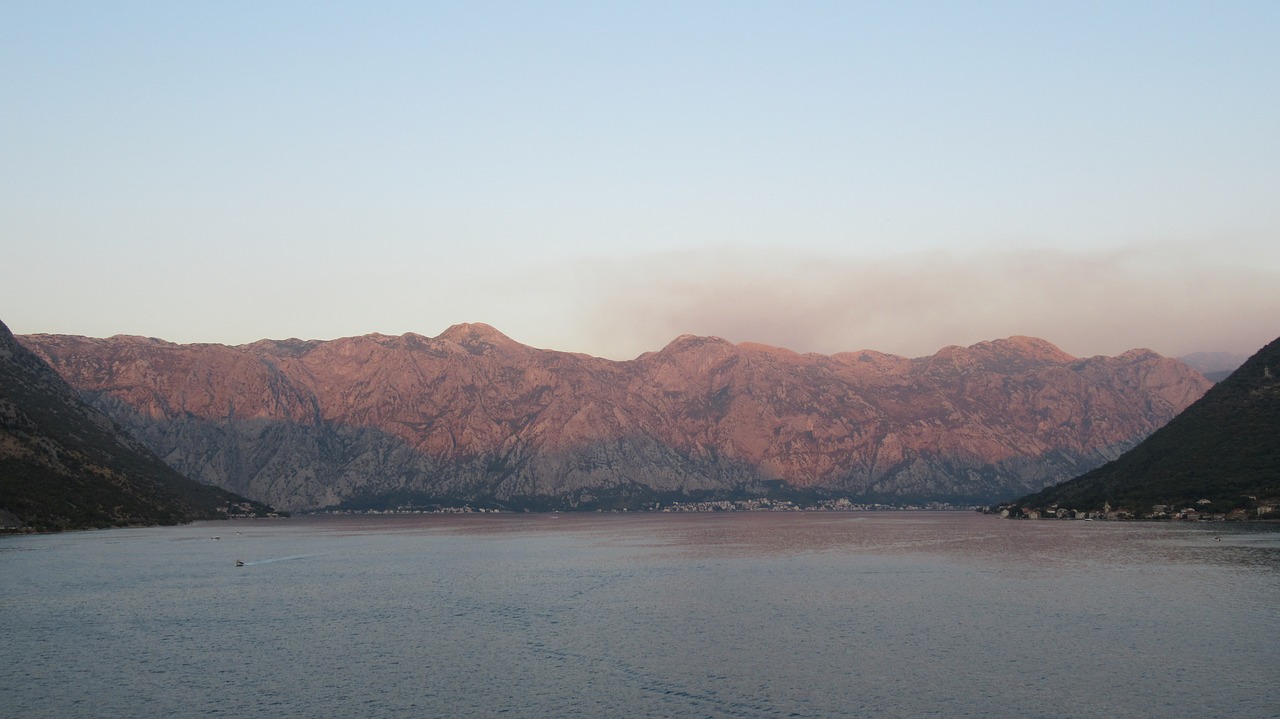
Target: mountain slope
{"type": "Point", "coordinates": [63, 465]}
{"type": "Point", "coordinates": [1224, 448]}
{"type": "Point", "coordinates": [472, 415]}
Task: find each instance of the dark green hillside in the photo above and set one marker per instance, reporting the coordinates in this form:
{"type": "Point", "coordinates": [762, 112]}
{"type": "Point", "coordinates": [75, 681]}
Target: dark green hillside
{"type": "Point", "coordinates": [63, 465]}
{"type": "Point", "coordinates": [1224, 448]}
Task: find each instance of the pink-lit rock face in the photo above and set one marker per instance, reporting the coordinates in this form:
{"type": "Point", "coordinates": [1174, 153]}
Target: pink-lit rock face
{"type": "Point", "coordinates": [474, 414]}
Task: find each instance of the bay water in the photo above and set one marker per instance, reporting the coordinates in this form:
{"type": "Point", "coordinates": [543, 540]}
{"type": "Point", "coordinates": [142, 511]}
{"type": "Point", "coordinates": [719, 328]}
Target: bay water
{"type": "Point", "coordinates": [822, 614]}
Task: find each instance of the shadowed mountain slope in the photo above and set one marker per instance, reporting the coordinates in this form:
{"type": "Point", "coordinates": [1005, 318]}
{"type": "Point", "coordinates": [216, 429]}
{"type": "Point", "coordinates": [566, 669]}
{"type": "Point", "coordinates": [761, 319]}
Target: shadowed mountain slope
{"type": "Point", "coordinates": [473, 415]}
{"type": "Point", "coordinates": [1224, 448]}
{"type": "Point", "coordinates": [64, 465]}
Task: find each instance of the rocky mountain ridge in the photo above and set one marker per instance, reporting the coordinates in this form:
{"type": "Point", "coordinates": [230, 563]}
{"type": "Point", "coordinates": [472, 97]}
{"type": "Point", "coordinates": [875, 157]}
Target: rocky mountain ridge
{"type": "Point", "coordinates": [472, 415]}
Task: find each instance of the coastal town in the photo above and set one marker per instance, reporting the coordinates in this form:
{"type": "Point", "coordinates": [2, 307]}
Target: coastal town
{"type": "Point", "coordinates": [709, 506]}
{"type": "Point", "coordinates": [1203, 511]}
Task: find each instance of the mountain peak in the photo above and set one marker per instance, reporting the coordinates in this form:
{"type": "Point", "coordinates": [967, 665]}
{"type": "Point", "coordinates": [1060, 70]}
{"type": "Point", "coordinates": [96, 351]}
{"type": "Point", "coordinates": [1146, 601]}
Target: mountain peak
{"type": "Point", "coordinates": [474, 332]}
{"type": "Point", "coordinates": [1029, 347]}
{"type": "Point", "coordinates": [689, 342]}
{"type": "Point", "coordinates": [1138, 353]}
{"type": "Point", "coordinates": [1017, 353]}
{"type": "Point", "coordinates": [478, 339]}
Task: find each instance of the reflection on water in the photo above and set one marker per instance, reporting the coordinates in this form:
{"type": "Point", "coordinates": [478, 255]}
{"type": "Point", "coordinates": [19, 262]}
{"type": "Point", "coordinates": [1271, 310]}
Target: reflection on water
{"type": "Point", "coordinates": [960, 535]}
{"type": "Point", "coordinates": [734, 615]}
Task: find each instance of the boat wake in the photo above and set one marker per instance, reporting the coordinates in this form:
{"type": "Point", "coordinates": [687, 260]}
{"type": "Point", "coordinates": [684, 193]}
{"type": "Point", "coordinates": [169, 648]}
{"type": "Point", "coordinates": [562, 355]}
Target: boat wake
{"type": "Point", "coordinates": [273, 559]}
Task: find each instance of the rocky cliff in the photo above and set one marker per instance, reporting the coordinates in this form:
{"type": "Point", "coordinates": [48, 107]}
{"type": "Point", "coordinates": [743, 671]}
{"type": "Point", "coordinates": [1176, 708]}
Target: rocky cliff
{"type": "Point", "coordinates": [473, 415]}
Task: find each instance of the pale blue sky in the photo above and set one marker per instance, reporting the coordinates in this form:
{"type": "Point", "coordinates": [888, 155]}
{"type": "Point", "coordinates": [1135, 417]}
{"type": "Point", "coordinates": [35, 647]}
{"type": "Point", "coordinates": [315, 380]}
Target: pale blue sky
{"type": "Point", "coordinates": [600, 177]}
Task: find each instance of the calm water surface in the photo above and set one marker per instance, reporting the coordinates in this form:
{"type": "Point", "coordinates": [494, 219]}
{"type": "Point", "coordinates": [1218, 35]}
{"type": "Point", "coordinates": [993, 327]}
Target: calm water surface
{"type": "Point", "coordinates": [738, 615]}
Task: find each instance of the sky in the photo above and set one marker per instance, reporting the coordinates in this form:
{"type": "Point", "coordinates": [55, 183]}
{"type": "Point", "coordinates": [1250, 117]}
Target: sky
{"type": "Point", "coordinates": [602, 177]}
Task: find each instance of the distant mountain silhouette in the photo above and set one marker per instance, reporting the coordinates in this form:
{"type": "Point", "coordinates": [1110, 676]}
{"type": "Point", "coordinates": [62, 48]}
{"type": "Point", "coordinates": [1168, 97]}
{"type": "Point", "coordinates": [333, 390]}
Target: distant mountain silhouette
{"type": "Point", "coordinates": [64, 465]}
{"type": "Point", "coordinates": [1215, 366]}
{"type": "Point", "coordinates": [1224, 448]}
{"type": "Point", "coordinates": [473, 416]}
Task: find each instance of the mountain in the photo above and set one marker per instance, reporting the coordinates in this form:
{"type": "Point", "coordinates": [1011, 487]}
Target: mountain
{"type": "Point", "coordinates": [64, 465]}
{"type": "Point", "coordinates": [474, 416]}
{"type": "Point", "coordinates": [1224, 448]}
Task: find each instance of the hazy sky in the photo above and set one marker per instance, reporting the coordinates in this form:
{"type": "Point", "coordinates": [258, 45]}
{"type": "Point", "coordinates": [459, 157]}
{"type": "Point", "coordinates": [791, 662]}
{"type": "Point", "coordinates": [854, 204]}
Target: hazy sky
{"type": "Point", "coordinates": [601, 177]}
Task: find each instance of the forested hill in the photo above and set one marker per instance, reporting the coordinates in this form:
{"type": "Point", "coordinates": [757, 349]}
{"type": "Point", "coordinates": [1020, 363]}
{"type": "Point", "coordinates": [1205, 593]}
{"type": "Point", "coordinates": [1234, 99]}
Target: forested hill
{"type": "Point", "coordinates": [1224, 448]}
